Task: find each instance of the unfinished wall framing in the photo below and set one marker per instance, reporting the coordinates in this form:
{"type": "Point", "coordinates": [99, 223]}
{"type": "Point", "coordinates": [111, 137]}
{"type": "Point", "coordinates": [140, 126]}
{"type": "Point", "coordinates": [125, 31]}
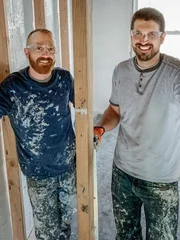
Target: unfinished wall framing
{"type": "Point", "coordinates": [82, 44]}
{"type": "Point", "coordinates": [9, 144]}
{"type": "Point", "coordinates": [82, 39]}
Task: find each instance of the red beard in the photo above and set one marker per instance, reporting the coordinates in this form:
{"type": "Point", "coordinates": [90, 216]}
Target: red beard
{"type": "Point", "coordinates": [40, 67]}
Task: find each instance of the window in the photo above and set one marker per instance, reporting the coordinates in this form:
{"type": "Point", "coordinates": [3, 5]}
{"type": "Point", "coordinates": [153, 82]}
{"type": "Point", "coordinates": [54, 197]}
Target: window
{"type": "Point", "coordinates": [170, 10]}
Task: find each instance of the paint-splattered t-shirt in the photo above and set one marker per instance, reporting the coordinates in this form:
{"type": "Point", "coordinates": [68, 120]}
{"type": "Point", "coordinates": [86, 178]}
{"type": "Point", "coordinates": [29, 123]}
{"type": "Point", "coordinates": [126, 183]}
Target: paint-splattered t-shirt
{"type": "Point", "coordinates": [40, 117]}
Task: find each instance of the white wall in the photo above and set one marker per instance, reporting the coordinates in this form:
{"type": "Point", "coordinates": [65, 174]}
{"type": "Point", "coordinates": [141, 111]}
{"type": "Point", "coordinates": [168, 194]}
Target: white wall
{"type": "Point", "coordinates": [70, 27]}
{"type": "Point", "coordinates": [111, 44]}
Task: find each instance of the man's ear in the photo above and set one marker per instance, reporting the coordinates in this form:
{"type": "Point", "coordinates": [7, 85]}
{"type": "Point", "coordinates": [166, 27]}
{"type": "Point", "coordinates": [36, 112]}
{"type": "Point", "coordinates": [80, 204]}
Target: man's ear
{"type": "Point", "coordinates": [26, 52]}
{"type": "Point", "coordinates": [163, 37]}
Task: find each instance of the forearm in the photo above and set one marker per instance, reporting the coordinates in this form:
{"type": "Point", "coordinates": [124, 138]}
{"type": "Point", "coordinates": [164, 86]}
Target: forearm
{"type": "Point", "coordinates": [109, 119]}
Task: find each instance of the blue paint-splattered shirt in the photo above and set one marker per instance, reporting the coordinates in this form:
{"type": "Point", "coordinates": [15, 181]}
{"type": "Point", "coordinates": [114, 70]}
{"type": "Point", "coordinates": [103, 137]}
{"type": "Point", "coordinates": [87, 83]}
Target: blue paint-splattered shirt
{"type": "Point", "coordinates": [40, 117]}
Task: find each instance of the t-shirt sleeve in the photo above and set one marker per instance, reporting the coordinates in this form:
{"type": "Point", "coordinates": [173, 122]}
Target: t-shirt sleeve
{"type": "Point", "coordinates": [114, 93]}
{"type": "Point", "coordinates": [176, 87]}
{"type": "Point", "coordinates": [5, 102]}
{"type": "Point", "coordinates": [71, 93]}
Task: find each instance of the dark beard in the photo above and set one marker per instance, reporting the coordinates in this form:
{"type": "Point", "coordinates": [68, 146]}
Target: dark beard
{"type": "Point", "coordinates": [144, 56]}
{"type": "Point", "coordinates": [40, 68]}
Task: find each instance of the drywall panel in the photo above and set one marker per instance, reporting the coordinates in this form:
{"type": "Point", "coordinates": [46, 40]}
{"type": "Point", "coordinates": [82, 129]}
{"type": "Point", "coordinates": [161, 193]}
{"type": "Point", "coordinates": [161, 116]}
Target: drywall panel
{"type": "Point", "coordinates": [71, 57]}
{"type": "Point", "coordinates": [16, 31]}
{"type": "Point", "coordinates": [52, 23]}
{"type": "Point", "coordinates": [28, 16]}
{"type": "Point", "coordinates": [111, 44]}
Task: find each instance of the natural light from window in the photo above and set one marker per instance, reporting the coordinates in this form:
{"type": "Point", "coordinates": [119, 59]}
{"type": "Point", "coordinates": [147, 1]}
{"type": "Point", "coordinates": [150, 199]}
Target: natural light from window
{"type": "Point", "coordinates": [171, 12]}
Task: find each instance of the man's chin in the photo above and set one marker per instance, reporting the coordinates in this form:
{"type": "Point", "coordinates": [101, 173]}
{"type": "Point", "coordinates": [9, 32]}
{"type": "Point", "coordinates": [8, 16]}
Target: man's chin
{"type": "Point", "coordinates": [145, 56]}
{"type": "Point", "coordinates": [44, 69]}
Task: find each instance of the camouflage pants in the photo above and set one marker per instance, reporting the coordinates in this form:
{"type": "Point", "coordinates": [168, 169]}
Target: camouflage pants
{"type": "Point", "coordinates": [53, 200]}
{"type": "Point", "coordinates": [160, 202]}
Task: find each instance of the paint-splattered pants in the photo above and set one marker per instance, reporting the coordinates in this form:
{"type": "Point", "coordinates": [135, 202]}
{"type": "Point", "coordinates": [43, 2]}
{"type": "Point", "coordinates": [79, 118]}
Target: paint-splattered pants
{"type": "Point", "coordinates": [160, 202]}
{"type": "Point", "coordinates": [53, 201]}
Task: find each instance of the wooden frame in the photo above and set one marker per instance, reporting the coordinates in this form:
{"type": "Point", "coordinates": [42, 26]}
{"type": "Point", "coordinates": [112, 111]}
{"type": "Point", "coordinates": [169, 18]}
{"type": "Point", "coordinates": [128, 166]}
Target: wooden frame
{"type": "Point", "coordinates": [9, 142]}
{"type": "Point", "coordinates": [39, 14]}
{"type": "Point", "coordinates": [13, 172]}
{"type": "Point", "coordinates": [82, 45]}
{"type": "Point", "coordinates": [64, 33]}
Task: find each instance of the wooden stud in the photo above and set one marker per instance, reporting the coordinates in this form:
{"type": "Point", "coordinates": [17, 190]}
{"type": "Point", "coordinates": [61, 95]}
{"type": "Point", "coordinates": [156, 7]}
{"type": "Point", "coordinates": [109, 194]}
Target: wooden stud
{"type": "Point", "coordinates": [4, 60]}
{"type": "Point", "coordinates": [64, 33]}
{"type": "Point", "coordinates": [14, 182]}
{"type": "Point", "coordinates": [39, 14]}
{"type": "Point", "coordinates": [10, 147]}
{"type": "Point", "coordinates": [82, 46]}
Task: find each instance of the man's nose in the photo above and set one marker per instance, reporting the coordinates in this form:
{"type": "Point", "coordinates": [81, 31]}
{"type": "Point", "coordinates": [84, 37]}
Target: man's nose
{"type": "Point", "coordinates": [45, 51]}
{"type": "Point", "coordinates": [145, 38]}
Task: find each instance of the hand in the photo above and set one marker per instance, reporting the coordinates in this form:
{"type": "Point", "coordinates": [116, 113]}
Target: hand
{"type": "Point", "coordinates": [98, 132]}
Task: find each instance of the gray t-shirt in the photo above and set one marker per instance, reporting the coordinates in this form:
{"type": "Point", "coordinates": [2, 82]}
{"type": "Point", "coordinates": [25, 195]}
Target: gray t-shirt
{"type": "Point", "coordinates": [148, 142]}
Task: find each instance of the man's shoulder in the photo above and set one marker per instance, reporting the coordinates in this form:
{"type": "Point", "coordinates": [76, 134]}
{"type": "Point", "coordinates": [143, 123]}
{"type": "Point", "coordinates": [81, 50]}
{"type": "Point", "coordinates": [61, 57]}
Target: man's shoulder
{"type": "Point", "coordinates": [13, 77]}
{"type": "Point", "coordinates": [124, 65]}
{"type": "Point", "coordinates": [63, 73]}
{"type": "Point", "coordinates": [171, 61]}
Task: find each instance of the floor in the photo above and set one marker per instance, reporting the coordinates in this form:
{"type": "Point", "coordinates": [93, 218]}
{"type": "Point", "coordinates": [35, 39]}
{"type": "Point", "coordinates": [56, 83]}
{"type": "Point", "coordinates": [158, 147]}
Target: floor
{"type": "Point", "coordinates": [107, 229]}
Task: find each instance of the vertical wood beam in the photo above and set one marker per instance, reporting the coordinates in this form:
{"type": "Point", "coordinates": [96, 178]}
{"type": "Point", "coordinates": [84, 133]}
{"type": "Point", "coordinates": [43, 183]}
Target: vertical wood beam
{"type": "Point", "coordinates": [10, 147]}
{"type": "Point", "coordinates": [82, 46]}
{"type": "Point", "coordinates": [64, 33]}
{"type": "Point", "coordinates": [39, 14]}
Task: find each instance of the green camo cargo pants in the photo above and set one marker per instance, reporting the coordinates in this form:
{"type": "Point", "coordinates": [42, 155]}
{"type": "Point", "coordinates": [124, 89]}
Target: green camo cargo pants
{"type": "Point", "coordinates": [53, 200]}
{"type": "Point", "coordinates": [160, 202]}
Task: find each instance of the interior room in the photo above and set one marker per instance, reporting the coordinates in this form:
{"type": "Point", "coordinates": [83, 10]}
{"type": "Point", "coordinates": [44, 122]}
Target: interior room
{"type": "Point", "coordinates": [105, 42]}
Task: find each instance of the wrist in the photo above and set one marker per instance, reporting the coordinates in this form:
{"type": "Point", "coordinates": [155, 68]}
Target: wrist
{"type": "Point", "coordinates": [102, 128]}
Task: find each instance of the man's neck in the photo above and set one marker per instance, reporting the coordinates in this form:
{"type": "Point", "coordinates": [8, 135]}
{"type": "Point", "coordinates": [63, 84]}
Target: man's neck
{"type": "Point", "coordinates": [38, 76]}
{"type": "Point", "coordinates": [148, 64]}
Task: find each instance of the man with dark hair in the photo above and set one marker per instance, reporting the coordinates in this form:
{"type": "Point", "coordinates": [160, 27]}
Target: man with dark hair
{"type": "Point", "coordinates": [145, 102]}
{"type": "Point", "coordinates": [149, 14]}
{"type": "Point", "coordinates": [36, 99]}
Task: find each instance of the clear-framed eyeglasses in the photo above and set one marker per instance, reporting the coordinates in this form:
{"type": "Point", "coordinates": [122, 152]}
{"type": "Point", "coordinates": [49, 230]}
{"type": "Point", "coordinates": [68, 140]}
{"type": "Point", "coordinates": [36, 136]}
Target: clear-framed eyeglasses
{"type": "Point", "coordinates": [42, 48]}
{"type": "Point", "coordinates": [137, 35]}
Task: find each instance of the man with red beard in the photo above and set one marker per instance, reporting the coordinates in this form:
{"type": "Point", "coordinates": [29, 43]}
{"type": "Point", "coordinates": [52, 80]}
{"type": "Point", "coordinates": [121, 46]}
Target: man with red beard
{"type": "Point", "coordinates": [36, 99]}
{"type": "Point", "coordinates": [145, 102]}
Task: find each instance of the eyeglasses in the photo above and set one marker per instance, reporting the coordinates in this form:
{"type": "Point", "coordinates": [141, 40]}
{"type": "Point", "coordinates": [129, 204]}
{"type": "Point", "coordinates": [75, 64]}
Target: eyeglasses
{"type": "Point", "coordinates": [42, 48]}
{"type": "Point", "coordinates": [151, 35]}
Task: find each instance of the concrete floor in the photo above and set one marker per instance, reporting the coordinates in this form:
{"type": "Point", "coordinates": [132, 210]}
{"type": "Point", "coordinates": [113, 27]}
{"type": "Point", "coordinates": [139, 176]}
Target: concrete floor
{"type": "Point", "coordinates": [107, 229]}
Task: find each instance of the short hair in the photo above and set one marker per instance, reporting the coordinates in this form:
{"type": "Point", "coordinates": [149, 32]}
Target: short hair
{"type": "Point", "coordinates": [42, 30]}
{"type": "Point", "coordinates": [148, 14]}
